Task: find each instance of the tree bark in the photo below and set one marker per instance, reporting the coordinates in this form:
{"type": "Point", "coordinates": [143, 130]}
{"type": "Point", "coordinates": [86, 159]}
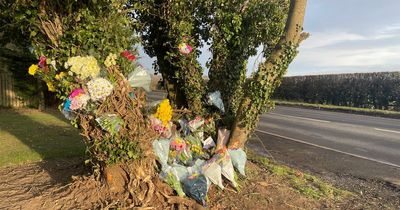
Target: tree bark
{"type": "Point", "coordinates": [267, 78]}
{"type": "Point", "coordinates": [41, 98]}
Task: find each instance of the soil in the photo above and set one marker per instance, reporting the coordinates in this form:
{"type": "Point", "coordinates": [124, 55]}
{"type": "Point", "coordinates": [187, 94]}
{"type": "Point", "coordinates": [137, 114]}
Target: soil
{"type": "Point", "coordinates": [66, 184]}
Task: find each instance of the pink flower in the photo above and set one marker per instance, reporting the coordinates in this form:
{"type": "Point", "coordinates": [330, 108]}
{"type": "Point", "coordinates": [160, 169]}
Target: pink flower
{"type": "Point", "coordinates": [185, 48]}
{"type": "Point", "coordinates": [79, 102]}
{"type": "Point", "coordinates": [157, 125]}
{"type": "Point", "coordinates": [178, 144]}
{"type": "Point", "coordinates": [42, 62]}
{"type": "Point", "coordinates": [128, 55]}
{"type": "Point", "coordinates": [76, 92]}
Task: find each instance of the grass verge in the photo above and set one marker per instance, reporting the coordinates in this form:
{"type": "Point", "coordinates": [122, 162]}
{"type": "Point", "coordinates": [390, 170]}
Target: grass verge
{"type": "Point", "coordinates": [308, 185]}
{"type": "Point", "coordinates": [29, 135]}
{"type": "Point", "coordinates": [346, 109]}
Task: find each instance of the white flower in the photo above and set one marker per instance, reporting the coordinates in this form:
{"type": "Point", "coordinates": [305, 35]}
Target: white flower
{"type": "Point", "coordinates": [99, 88]}
{"type": "Point", "coordinates": [53, 63]}
{"type": "Point", "coordinates": [83, 67]}
{"type": "Point", "coordinates": [79, 102]}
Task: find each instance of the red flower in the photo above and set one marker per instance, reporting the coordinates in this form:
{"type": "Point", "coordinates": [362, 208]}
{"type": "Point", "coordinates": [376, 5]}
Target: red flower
{"type": "Point", "coordinates": [42, 62]}
{"type": "Point", "coordinates": [128, 55]}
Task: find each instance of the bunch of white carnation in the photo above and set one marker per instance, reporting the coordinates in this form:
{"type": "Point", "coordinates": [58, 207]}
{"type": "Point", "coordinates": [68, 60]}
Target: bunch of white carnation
{"type": "Point", "coordinates": [99, 88]}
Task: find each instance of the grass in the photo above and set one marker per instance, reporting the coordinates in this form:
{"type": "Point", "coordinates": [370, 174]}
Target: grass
{"type": "Point", "coordinates": [365, 111]}
{"type": "Point", "coordinates": [308, 185]}
{"type": "Point", "coordinates": [29, 136]}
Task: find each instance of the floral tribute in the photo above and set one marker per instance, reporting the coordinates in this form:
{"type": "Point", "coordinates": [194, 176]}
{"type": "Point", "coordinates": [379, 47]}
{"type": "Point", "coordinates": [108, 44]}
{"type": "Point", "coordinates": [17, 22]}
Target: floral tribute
{"type": "Point", "coordinates": [99, 88]}
{"type": "Point", "coordinates": [185, 48]}
{"type": "Point", "coordinates": [97, 98]}
{"type": "Point", "coordinates": [121, 131]}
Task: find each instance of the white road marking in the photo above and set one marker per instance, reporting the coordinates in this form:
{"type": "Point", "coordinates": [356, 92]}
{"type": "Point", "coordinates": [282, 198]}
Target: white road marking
{"type": "Point", "coordinates": [302, 118]}
{"type": "Point", "coordinates": [384, 130]}
{"type": "Point", "coordinates": [331, 149]}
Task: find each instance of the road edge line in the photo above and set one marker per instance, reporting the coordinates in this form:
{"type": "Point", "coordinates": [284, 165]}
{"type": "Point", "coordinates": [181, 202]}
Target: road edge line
{"type": "Point", "coordinates": [327, 148]}
{"type": "Point", "coordinates": [386, 130]}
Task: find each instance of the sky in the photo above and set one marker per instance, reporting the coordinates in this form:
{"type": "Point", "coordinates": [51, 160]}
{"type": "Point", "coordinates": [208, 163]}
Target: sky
{"type": "Point", "coordinates": [347, 36]}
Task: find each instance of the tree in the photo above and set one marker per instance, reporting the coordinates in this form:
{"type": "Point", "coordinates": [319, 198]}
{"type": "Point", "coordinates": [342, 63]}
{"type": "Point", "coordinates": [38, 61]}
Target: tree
{"type": "Point", "coordinates": [269, 76]}
{"type": "Point", "coordinates": [76, 44]}
{"type": "Point", "coordinates": [165, 25]}
{"type": "Point", "coordinates": [235, 29]}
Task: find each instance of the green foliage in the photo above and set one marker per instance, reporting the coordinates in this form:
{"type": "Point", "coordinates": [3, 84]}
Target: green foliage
{"type": "Point", "coordinates": [364, 90]}
{"type": "Point", "coordinates": [306, 184]}
{"type": "Point", "coordinates": [264, 82]}
{"type": "Point", "coordinates": [62, 29]}
{"type": "Point", "coordinates": [163, 26]}
{"type": "Point", "coordinates": [239, 27]}
{"type": "Point", "coordinates": [114, 149]}
{"type": "Point", "coordinates": [234, 28]}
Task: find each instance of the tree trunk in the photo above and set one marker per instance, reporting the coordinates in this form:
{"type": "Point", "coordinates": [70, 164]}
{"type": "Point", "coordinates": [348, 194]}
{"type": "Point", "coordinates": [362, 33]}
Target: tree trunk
{"type": "Point", "coordinates": [175, 94]}
{"type": "Point", "coordinates": [268, 77]}
{"type": "Point", "coordinates": [41, 99]}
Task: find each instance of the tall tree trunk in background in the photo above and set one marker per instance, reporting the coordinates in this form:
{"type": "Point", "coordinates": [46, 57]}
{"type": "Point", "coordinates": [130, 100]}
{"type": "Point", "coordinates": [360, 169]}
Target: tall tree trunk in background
{"type": "Point", "coordinates": [174, 91]}
{"type": "Point", "coordinates": [268, 77]}
{"type": "Point", "coordinates": [41, 99]}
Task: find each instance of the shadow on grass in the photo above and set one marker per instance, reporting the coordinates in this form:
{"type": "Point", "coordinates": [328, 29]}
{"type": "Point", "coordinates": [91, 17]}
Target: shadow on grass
{"type": "Point", "coordinates": [30, 136]}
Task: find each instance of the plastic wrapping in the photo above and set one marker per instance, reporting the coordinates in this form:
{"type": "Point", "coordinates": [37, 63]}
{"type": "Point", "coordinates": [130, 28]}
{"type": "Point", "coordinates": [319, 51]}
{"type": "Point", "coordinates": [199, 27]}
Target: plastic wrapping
{"type": "Point", "coordinates": [140, 78]}
{"type": "Point", "coordinates": [184, 127]}
{"type": "Point", "coordinates": [239, 158]}
{"type": "Point", "coordinates": [208, 143]}
{"type": "Point", "coordinates": [173, 181]}
{"type": "Point", "coordinates": [196, 123]}
{"type": "Point", "coordinates": [174, 174]}
{"type": "Point", "coordinates": [157, 125]}
{"type": "Point", "coordinates": [196, 187]}
{"type": "Point", "coordinates": [212, 170]}
{"type": "Point", "coordinates": [227, 168]}
{"type": "Point", "coordinates": [197, 167]}
{"type": "Point", "coordinates": [195, 127]}
{"type": "Point", "coordinates": [67, 114]}
{"type": "Point", "coordinates": [214, 99]}
{"type": "Point", "coordinates": [161, 149]}
{"type": "Point", "coordinates": [110, 123]}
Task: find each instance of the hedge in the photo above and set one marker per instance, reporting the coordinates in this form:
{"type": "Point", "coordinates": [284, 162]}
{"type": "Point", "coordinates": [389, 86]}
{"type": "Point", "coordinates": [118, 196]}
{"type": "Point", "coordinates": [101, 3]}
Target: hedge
{"type": "Point", "coordinates": [379, 90]}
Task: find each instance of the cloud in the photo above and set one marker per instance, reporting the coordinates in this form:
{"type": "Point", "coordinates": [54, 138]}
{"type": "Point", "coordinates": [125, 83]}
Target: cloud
{"type": "Point", "coordinates": [343, 51]}
{"type": "Point", "coordinates": [317, 40]}
{"type": "Point", "coordinates": [350, 57]}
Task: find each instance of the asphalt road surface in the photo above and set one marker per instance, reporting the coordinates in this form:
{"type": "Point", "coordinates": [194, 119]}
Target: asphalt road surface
{"type": "Point", "coordinates": [341, 143]}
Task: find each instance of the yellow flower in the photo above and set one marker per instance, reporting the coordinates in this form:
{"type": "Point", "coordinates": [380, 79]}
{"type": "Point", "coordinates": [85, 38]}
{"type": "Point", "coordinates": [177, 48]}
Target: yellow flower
{"type": "Point", "coordinates": [164, 112]}
{"type": "Point", "coordinates": [83, 67]}
{"type": "Point", "coordinates": [110, 60]}
{"type": "Point", "coordinates": [51, 87]}
{"type": "Point", "coordinates": [32, 69]}
{"type": "Point", "coordinates": [60, 75]}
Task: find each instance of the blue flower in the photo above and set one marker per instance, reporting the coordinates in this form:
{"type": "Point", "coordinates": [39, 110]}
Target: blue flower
{"type": "Point", "coordinates": [67, 104]}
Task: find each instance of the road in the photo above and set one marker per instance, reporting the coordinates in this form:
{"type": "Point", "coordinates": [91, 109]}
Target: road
{"type": "Point", "coordinates": [363, 146]}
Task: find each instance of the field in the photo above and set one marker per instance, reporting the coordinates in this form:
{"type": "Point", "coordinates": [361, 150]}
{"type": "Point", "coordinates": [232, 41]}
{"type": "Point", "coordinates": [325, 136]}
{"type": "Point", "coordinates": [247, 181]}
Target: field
{"type": "Point", "coordinates": [29, 136]}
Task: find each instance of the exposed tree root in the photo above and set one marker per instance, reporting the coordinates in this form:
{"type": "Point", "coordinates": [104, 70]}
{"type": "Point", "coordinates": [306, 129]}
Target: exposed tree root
{"type": "Point", "coordinates": [134, 184]}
